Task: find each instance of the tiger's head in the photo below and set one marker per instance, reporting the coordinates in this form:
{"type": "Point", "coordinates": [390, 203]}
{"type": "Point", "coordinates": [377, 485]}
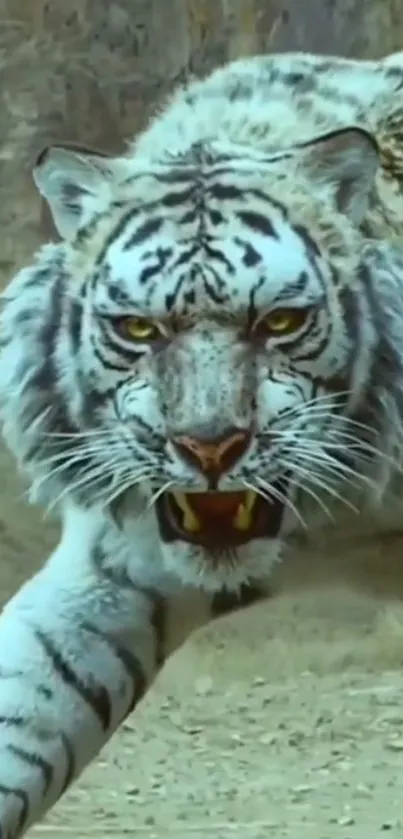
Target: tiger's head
{"type": "Point", "coordinates": [212, 341]}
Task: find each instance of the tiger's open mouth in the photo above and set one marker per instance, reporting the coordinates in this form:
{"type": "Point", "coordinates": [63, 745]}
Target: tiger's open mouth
{"type": "Point", "coordinates": [220, 520]}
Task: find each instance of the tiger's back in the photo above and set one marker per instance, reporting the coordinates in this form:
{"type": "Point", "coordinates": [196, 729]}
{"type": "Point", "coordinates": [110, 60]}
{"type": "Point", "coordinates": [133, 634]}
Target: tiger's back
{"type": "Point", "coordinates": [273, 102]}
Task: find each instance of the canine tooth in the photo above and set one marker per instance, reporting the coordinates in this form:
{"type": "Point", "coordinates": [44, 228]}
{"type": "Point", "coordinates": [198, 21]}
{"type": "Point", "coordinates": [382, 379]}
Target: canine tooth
{"type": "Point", "coordinates": [190, 521]}
{"type": "Point", "coordinates": [243, 516]}
{"type": "Point", "coordinates": [250, 499]}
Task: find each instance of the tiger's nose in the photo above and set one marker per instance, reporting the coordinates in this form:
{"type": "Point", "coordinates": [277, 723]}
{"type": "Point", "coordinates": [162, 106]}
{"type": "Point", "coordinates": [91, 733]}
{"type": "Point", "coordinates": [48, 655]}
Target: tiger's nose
{"type": "Point", "coordinates": [213, 455]}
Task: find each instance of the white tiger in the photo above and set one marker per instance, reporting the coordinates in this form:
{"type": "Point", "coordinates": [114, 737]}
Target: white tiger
{"type": "Point", "coordinates": [212, 352]}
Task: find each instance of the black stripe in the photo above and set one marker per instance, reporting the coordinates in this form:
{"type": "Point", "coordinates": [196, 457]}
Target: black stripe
{"type": "Point", "coordinates": [312, 354]}
{"type": "Point", "coordinates": [116, 232]}
{"type": "Point", "coordinates": [299, 285]}
{"type": "Point", "coordinates": [160, 257]}
{"type": "Point", "coordinates": [45, 377]}
{"type": "Point", "coordinates": [226, 192]}
{"type": "Point", "coordinates": [96, 696]}
{"type": "Point", "coordinates": [253, 309]}
{"type": "Point", "coordinates": [258, 222]}
{"type": "Point", "coordinates": [220, 257]}
{"type": "Point", "coordinates": [143, 232]}
{"type": "Point", "coordinates": [16, 721]}
{"type": "Point", "coordinates": [149, 435]}
{"type": "Point", "coordinates": [129, 357]}
{"type": "Point", "coordinates": [186, 255]}
{"type": "Point", "coordinates": [190, 216]}
{"type": "Point", "coordinates": [74, 324]}
{"type": "Point", "coordinates": [148, 273]}
{"type": "Point", "coordinates": [213, 293]}
{"type": "Point", "coordinates": [176, 199]}
{"type": "Point", "coordinates": [23, 797]}
{"type": "Point", "coordinates": [272, 203]}
{"type": "Point", "coordinates": [33, 759]}
{"type": "Point", "coordinates": [159, 625]}
{"type": "Point", "coordinates": [71, 763]}
{"type": "Point", "coordinates": [43, 274]}
{"type": "Point", "coordinates": [177, 175]}
{"type": "Point", "coordinates": [46, 692]}
{"type": "Point", "coordinates": [215, 217]}
{"type": "Point", "coordinates": [307, 239]}
{"type": "Point", "coordinates": [171, 298]}
{"type": "Point", "coordinates": [130, 662]}
{"type": "Point", "coordinates": [250, 257]}
{"type": "Point", "coordinates": [351, 318]}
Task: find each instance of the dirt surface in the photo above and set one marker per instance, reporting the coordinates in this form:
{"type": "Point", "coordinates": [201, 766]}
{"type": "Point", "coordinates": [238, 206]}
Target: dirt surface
{"type": "Point", "coordinates": [283, 720]}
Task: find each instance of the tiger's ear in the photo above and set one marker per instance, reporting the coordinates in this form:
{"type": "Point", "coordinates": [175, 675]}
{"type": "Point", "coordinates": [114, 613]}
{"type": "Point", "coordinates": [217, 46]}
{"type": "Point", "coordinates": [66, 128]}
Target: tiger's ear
{"type": "Point", "coordinates": [75, 181]}
{"type": "Point", "coordinates": [343, 164]}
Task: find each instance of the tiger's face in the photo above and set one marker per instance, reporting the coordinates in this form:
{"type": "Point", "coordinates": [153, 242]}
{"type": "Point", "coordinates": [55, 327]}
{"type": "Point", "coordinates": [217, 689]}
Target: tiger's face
{"type": "Point", "coordinates": [216, 341]}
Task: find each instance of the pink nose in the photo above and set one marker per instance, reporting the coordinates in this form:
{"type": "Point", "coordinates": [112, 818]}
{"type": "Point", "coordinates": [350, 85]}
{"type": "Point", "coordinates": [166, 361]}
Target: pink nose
{"type": "Point", "coordinates": [214, 456]}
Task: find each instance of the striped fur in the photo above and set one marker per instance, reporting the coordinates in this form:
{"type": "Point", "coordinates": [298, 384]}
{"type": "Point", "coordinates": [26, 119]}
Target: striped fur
{"type": "Point", "coordinates": [259, 187]}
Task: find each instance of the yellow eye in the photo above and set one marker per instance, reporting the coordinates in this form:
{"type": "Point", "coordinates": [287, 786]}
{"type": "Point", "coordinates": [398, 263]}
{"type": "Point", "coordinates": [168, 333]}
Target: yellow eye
{"type": "Point", "coordinates": [284, 321]}
{"type": "Point", "coordinates": [139, 329]}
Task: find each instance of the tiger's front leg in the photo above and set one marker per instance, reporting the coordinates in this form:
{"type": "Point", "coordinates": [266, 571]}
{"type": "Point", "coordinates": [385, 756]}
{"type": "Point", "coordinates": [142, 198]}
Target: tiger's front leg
{"type": "Point", "coordinates": [77, 652]}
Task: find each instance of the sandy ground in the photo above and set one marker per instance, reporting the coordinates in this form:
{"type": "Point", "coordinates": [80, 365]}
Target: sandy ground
{"type": "Point", "coordinates": [283, 720]}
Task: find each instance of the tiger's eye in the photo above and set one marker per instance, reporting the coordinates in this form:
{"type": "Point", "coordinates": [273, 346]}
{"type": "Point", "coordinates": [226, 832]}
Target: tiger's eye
{"type": "Point", "coordinates": [139, 329]}
{"type": "Point", "coordinates": [284, 321]}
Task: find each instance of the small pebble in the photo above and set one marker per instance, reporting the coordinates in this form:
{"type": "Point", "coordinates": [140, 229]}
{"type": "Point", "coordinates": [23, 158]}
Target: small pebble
{"type": "Point", "coordinates": [346, 821]}
{"type": "Point", "coordinates": [395, 745]}
{"type": "Point", "coordinates": [204, 686]}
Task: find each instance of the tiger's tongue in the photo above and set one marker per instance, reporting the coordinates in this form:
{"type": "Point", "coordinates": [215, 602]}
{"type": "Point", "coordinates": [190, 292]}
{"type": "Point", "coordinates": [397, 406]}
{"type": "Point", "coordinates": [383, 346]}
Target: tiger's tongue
{"type": "Point", "coordinates": [206, 511]}
{"type": "Point", "coordinates": [215, 504]}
